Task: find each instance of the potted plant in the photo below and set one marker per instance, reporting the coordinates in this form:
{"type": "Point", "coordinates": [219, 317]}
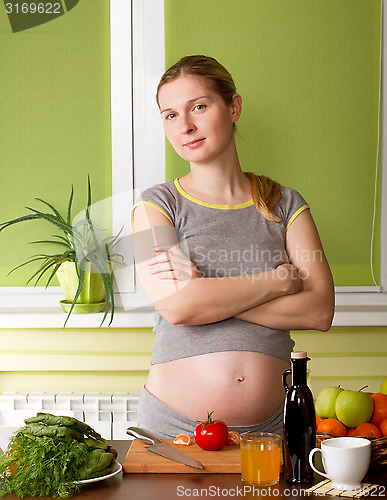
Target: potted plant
{"type": "Point", "coordinates": [83, 264]}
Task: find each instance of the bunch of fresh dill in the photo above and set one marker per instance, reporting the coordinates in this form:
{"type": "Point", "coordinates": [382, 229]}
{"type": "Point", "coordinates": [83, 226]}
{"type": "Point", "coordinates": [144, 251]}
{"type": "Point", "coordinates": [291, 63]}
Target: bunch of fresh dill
{"type": "Point", "coordinates": [42, 466]}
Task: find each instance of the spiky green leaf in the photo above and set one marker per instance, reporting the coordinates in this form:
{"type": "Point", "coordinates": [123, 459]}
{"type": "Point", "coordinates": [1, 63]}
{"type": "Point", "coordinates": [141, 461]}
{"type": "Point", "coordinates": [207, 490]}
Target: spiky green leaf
{"type": "Point", "coordinates": [56, 212]}
{"type": "Point", "coordinates": [69, 206]}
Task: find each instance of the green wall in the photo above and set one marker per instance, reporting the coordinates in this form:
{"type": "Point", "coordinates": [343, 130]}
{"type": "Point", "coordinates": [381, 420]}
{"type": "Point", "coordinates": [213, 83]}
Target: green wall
{"type": "Point", "coordinates": [55, 122]}
{"type": "Point", "coordinates": [308, 74]}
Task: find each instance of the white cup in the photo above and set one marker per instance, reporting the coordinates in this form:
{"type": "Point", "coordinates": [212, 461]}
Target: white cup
{"type": "Point", "coordinates": [346, 461]}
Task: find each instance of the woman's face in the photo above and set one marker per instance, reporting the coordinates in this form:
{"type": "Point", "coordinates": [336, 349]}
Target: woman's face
{"type": "Point", "coordinates": [197, 121]}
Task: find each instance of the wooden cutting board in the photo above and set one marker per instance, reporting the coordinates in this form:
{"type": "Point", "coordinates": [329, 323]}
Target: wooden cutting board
{"type": "Point", "coordinates": [139, 459]}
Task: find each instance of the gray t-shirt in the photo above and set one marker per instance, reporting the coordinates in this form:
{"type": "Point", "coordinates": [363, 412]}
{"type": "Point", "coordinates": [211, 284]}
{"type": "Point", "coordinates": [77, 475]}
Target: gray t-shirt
{"type": "Point", "coordinates": [223, 240]}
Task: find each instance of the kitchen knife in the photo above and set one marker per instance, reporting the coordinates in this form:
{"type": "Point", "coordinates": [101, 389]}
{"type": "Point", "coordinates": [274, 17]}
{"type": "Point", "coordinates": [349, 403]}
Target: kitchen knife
{"type": "Point", "coordinates": [162, 449]}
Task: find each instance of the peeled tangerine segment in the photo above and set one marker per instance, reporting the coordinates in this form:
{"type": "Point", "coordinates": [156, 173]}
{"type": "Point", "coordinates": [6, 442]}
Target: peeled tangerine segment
{"type": "Point", "coordinates": [182, 439]}
{"type": "Point", "coordinates": [233, 437]}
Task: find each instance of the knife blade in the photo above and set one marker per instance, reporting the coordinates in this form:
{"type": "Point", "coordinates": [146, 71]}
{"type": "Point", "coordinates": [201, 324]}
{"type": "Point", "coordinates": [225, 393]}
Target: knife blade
{"type": "Point", "coordinates": [160, 448]}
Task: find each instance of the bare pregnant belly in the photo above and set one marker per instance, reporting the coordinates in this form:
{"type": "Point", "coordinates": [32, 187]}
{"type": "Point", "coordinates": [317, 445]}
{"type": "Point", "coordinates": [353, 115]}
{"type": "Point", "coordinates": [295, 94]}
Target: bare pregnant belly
{"type": "Point", "coordinates": [240, 387]}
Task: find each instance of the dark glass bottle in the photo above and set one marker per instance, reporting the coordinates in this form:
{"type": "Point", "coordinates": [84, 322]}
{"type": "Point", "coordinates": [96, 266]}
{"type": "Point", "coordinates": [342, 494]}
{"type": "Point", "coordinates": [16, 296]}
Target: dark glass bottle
{"type": "Point", "coordinates": [299, 422]}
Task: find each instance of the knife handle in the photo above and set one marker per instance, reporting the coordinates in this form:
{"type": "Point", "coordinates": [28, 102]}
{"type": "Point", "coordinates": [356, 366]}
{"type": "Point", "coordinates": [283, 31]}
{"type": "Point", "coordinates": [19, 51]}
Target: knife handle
{"type": "Point", "coordinates": [143, 435]}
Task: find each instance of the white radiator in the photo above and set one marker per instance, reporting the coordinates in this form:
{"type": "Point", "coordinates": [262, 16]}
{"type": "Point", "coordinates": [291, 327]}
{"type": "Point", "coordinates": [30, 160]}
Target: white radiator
{"type": "Point", "coordinates": [109, 414]}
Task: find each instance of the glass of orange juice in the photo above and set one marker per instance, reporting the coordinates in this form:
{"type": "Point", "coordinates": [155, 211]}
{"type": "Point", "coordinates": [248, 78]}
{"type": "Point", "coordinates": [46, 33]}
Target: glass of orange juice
{"type": "Point", "coordinates": [260, 458]}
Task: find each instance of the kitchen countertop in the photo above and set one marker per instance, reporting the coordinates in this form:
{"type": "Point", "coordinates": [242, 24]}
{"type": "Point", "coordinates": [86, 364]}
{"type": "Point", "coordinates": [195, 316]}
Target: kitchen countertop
{"type": "Point", "coordinates": [197, 485]}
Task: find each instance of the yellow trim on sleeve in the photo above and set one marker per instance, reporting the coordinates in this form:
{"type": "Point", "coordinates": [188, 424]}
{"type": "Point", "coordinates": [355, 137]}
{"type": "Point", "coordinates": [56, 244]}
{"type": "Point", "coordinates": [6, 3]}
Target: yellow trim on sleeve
{"type": "Point", "coordinates": [296, 214]}
{"type": "Point", "coordinates": [148, 204]}
{"type": "Point", "coordinates": [210, 205]}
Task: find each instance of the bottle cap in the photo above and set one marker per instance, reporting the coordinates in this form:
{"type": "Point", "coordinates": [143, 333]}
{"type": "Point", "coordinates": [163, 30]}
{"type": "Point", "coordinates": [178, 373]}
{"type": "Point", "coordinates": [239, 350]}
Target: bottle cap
{"type": "Point", "coordinates": [298, 355]}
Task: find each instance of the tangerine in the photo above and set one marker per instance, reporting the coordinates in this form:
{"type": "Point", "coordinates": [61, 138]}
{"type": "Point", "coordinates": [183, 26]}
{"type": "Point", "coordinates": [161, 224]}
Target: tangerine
{"type": "Point", "coordinates": [233, 437]}
{"type": "Point", "coordinates": [182, 439]}
{"type": "Point", "coordinates": [318, 420]}
{"type": "Point", "coordinates": [380, 408]}
{"type": "Point", "coordinates": [333, 427]}
{"type": "Point", "coordinates": [383, 427]}
{"type": "Point", "coordinates": [368, 430]}
{"type": "Point", "coordinates": [351, 431]}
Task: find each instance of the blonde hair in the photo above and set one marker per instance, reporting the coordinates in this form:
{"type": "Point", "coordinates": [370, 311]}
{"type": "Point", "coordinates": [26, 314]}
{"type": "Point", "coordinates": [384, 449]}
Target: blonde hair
{"type": "Point", "coordinates": [265, 192]}
{"type": "Point", "coordinates": [199, 65]}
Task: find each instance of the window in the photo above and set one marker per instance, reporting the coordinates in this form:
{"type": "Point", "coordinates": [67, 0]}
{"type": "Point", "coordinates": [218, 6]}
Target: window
{"type": "Point", "coordinates": [137, 61]}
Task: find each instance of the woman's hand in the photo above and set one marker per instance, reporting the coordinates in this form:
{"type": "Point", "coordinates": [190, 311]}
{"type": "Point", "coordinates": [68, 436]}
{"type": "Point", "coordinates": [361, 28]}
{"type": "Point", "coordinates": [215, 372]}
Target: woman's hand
{"type": "Point", "coordinates": [292, 282]}
{"type": "Point", "coordinates": [172, 264]}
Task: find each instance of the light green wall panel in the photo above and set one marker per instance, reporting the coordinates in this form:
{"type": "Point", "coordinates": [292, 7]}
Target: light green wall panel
{"type": "Point", "coordinates": [55, 122]}
{"type": "Point", "coordinates": [308, 73]}
{"type": "Point", "coordinates": [73, 362]}
{"type": "Point", "coordinates": [74, 340]}
{"type": "Point", "coordinates": [351, 357]}
{"type": "Point", "coordinates": [79, 382]}
{"type": "Point", "coordinates": [78, 360]}
{"type": "Point", "coordinates": [117, 360]}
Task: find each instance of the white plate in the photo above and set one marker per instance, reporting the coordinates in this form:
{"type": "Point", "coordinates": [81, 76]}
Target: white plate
{"type": "Point", "coordinates": [116, 469]}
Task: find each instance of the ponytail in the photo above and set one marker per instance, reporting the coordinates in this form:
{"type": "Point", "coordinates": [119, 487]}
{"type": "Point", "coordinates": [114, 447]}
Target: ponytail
{"type": "Point", "coordinates": [265, 193]}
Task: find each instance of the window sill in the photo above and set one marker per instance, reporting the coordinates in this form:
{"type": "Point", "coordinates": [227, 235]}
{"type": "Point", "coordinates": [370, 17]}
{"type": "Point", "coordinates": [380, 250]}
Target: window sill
{"type": "Point", "coordinates": [39, 308]}
{"type": "Point", "coordinates": [360, 316]}
{"type": "Point", "coordinates": [144, 318]}
{"type": "Point", "coordinates": [360, 309]}
{"type": "Point", "coordinates": [55, 318]}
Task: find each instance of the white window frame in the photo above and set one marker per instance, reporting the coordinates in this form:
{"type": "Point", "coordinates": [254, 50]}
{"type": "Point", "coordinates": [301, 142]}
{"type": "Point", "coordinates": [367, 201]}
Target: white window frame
{"type": "Point", "coordinates": [137, 62]}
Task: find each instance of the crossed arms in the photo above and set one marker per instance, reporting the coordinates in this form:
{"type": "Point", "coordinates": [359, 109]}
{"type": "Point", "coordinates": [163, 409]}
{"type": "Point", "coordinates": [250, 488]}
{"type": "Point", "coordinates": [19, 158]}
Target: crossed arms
{"type": "Point", "coordinates": [295, 296]}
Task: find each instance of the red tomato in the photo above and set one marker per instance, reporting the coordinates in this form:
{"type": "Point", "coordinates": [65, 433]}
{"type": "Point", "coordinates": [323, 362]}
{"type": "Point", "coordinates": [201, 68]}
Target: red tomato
{"type": "Point", "coordinates": [212, 434]}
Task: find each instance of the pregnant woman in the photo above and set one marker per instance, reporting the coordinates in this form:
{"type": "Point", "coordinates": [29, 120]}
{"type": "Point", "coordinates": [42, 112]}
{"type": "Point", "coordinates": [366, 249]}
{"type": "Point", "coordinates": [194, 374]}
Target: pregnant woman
{"type": "Point", "coordinates": [232, 261]}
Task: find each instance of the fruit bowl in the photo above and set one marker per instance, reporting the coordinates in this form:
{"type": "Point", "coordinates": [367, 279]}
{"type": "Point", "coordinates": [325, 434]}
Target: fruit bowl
{"type": "Point", "coordinates": [378, 448]}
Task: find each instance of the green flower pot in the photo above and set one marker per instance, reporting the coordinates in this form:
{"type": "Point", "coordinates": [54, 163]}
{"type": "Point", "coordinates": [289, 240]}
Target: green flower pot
{"type": "Point", "coordinates": [92, 296]}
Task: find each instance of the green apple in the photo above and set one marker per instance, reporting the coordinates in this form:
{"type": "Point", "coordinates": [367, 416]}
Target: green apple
{"type": "Point", "coordinates": [354, 408]}
{"type": "Point", "coordinates": [383, 387]}
{"type": "Point", "coordinates": [326, 402]}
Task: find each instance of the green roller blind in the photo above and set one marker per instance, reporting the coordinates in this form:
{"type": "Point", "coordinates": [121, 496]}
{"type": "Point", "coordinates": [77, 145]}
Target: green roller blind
{"type": "Point", "coordinates": [308, 72]}
{"type": "Point", "coordinates": [55, 122]}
